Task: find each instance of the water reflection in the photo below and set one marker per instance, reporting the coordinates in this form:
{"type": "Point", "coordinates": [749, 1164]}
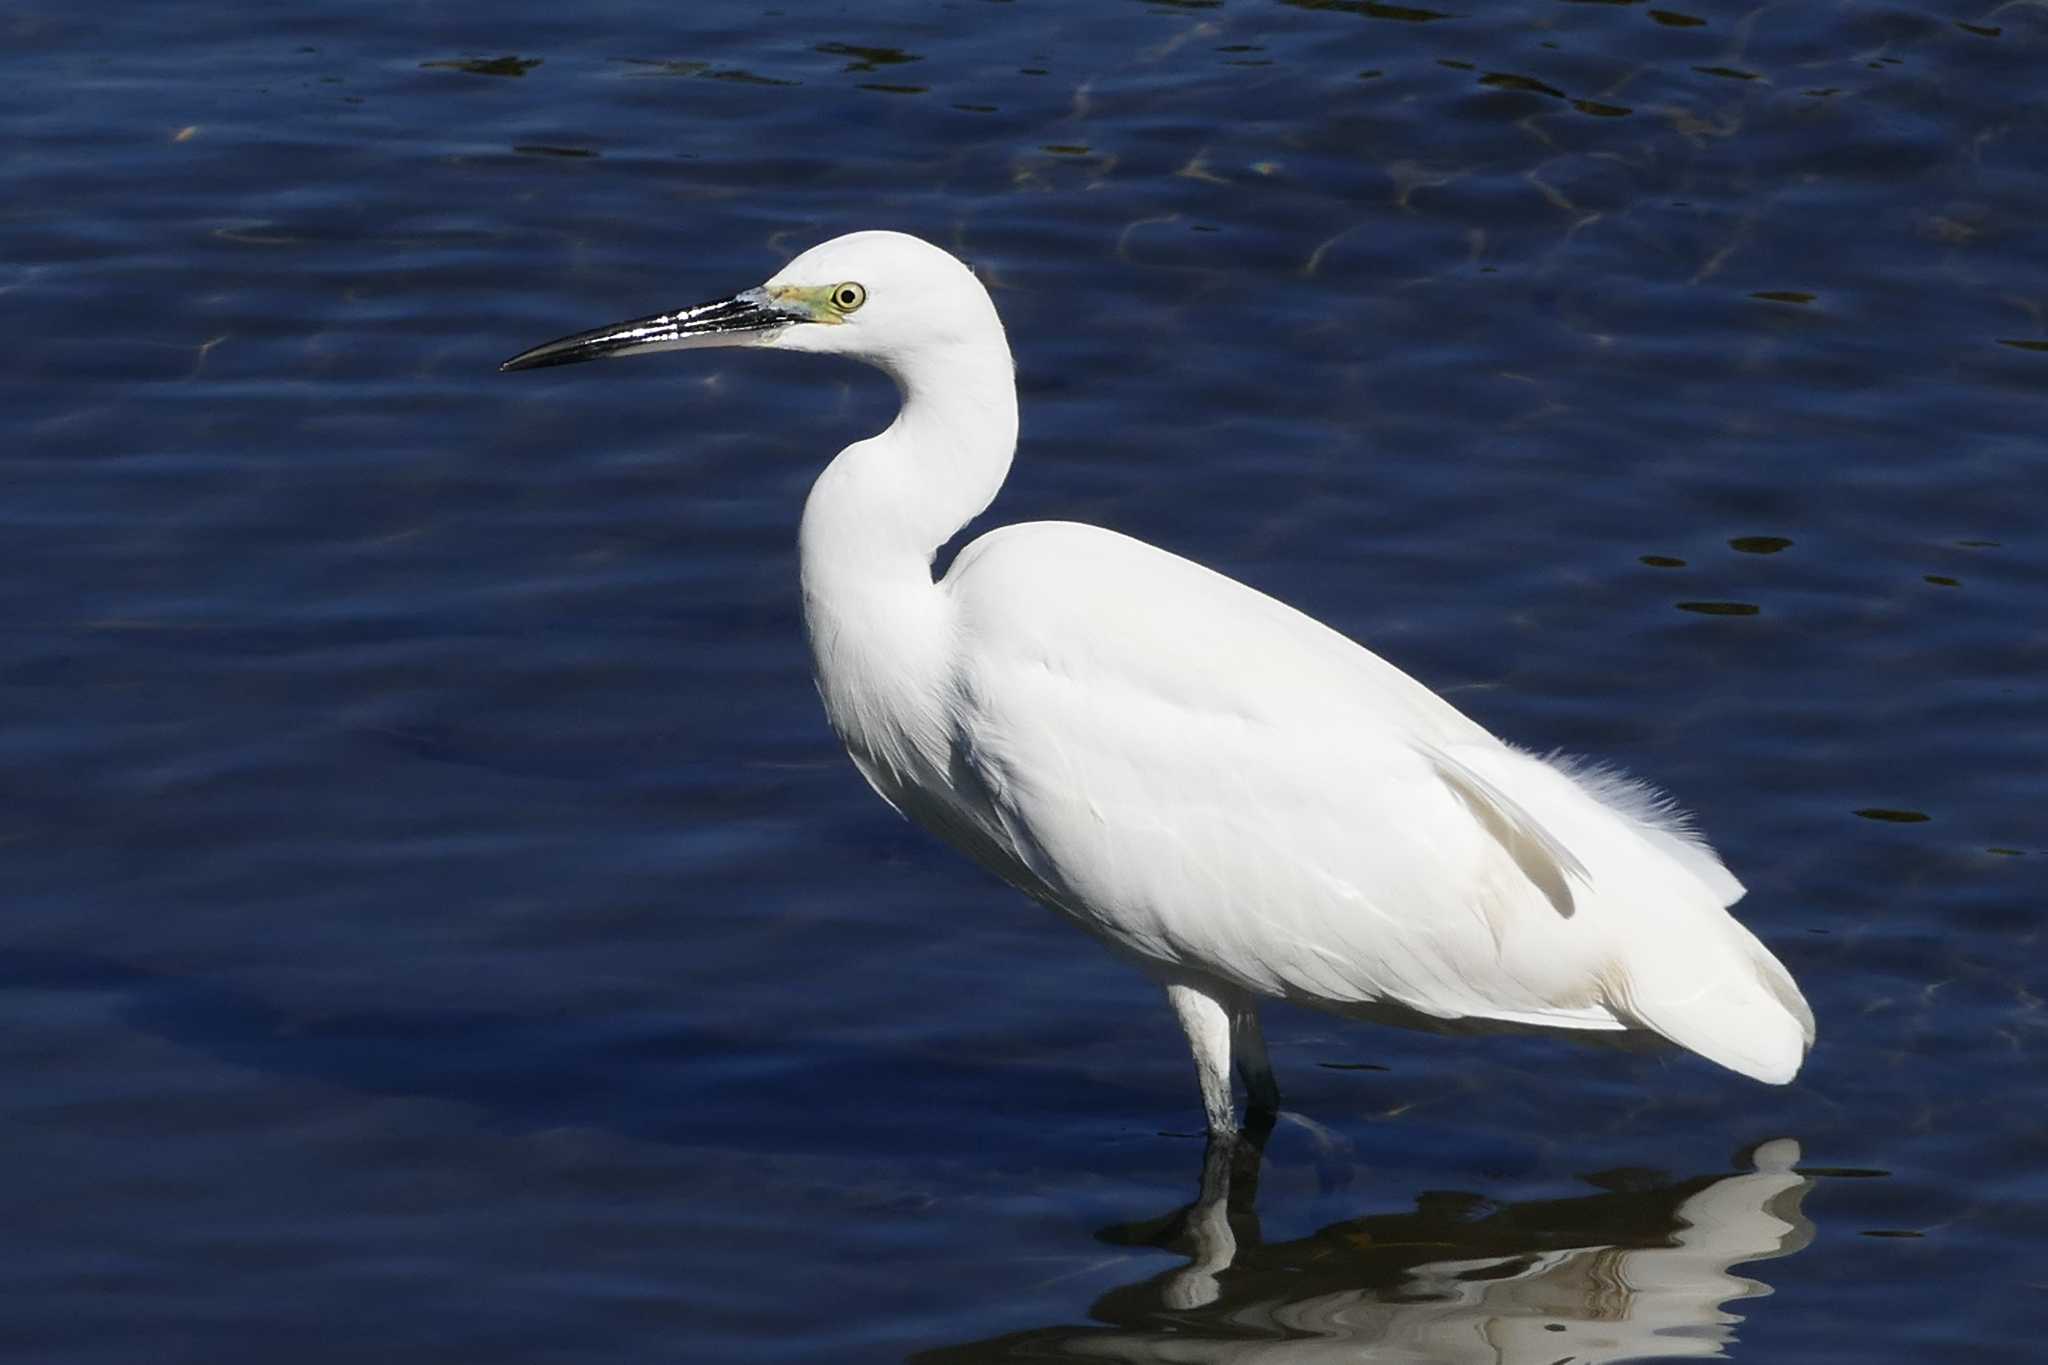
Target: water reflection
{"type": "Point", "coordinates": [1640, 1271]}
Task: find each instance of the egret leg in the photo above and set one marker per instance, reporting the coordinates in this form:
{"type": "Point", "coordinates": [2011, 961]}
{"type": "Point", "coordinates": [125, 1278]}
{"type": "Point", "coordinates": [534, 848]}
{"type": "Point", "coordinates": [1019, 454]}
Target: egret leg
{"type": "Point", "coordinates": [1206, 1020]}
{"type": "Point", "coordinates": [1262, 1092]}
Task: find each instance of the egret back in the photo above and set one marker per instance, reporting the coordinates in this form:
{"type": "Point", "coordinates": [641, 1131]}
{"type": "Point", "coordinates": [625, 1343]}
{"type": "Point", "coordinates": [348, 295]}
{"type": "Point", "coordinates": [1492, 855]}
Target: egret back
{"type": "Point", "coordinates": [1218, 784]}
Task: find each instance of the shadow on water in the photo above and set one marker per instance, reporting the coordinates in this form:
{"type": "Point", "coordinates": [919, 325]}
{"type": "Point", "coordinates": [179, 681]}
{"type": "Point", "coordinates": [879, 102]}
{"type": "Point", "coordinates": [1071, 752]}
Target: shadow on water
{"type": "Point", "coordinates": [1638, 1271]}
{"type": "Point", "coordinates": [649, 1075]}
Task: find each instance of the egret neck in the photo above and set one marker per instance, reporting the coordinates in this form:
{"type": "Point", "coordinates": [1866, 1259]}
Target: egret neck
{"type": "Point", "coordinates": [879, 626]}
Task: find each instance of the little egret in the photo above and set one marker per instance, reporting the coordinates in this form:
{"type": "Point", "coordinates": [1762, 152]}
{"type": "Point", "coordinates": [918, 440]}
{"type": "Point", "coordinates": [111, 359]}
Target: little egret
{"type": "Point", "coordinates": [1237, 798]}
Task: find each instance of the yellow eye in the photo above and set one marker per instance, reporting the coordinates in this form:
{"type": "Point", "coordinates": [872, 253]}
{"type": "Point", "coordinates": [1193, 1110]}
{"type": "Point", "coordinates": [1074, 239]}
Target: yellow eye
{"type": "Point", "coordinates": [849, 296]}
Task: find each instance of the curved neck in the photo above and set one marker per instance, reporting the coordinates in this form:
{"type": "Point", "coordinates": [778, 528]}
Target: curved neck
{"type": "Point", "coordinates": [881, 510]}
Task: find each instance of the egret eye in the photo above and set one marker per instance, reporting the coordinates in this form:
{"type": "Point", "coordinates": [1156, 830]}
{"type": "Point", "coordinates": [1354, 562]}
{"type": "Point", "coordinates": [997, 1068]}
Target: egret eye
{"type": "Point", "coordinates": [849, 296]}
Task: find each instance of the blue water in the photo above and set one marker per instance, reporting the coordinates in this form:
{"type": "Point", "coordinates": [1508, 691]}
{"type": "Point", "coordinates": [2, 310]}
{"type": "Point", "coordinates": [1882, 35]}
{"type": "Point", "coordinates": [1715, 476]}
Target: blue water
{"type": "Point", "coordinates": [440, 925]}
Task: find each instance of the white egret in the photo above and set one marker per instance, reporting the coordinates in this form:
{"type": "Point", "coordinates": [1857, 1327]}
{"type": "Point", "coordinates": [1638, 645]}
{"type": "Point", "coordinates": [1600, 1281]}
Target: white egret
{"type": "Point", "coordinates": [1232, 795]}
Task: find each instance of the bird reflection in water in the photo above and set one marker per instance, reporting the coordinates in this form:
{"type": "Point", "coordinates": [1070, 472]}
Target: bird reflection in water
{"type": "Point", "coordinates": [1636, 1273]}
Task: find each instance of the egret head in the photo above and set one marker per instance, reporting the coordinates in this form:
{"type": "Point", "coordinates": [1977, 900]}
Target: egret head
{"type": "Point", "coordinates": [883, 297]}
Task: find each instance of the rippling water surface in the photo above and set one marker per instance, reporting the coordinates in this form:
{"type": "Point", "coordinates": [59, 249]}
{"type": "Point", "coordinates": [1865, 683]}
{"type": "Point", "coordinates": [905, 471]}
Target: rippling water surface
{"type": "Point", "coordinates": [441, 926]}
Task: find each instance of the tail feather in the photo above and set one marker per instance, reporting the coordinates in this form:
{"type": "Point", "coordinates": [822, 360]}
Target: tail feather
{"type": "Point", "coordinates": [1739, 1008]}
{"type": "Point", "coordinates": [1656, 818]}
{"type": "Point", "coordinates": [1781, 985]}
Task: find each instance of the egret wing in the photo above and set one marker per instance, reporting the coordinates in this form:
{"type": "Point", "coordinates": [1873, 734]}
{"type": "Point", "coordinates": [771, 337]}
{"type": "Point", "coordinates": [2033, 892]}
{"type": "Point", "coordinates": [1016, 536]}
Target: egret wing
{"type": "Point", "coordinates": [1214, 781]}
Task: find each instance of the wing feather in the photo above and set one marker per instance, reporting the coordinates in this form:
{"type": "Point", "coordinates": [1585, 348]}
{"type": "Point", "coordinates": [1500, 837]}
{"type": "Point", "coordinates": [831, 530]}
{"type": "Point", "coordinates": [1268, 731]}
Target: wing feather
{"type": "Point", "coordinates": [1544, 860]}
{"type": "Point", "coordinates": [1212, 781]}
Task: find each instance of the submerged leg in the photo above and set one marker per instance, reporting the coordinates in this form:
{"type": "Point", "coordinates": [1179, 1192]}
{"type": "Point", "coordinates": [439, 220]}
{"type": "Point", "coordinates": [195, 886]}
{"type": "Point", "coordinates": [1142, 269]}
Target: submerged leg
{"type": "Point", "coordinates": [1262, 1092]}
{"type": "Point", "coordinates": [1205, 1018]}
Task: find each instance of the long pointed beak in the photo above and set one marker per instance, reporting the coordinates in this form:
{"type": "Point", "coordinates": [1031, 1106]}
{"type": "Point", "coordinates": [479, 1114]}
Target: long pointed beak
{"type": "Point", "coordinates": [749, 317]}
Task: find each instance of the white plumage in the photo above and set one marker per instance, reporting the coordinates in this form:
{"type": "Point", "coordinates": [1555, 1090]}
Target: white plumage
{"type": "Point", "coordinates": [1237, 798]}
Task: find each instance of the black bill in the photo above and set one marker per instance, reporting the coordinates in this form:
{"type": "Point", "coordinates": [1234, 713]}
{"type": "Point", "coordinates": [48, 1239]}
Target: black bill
{"type": "Point", "coordinates": [735, 321]}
